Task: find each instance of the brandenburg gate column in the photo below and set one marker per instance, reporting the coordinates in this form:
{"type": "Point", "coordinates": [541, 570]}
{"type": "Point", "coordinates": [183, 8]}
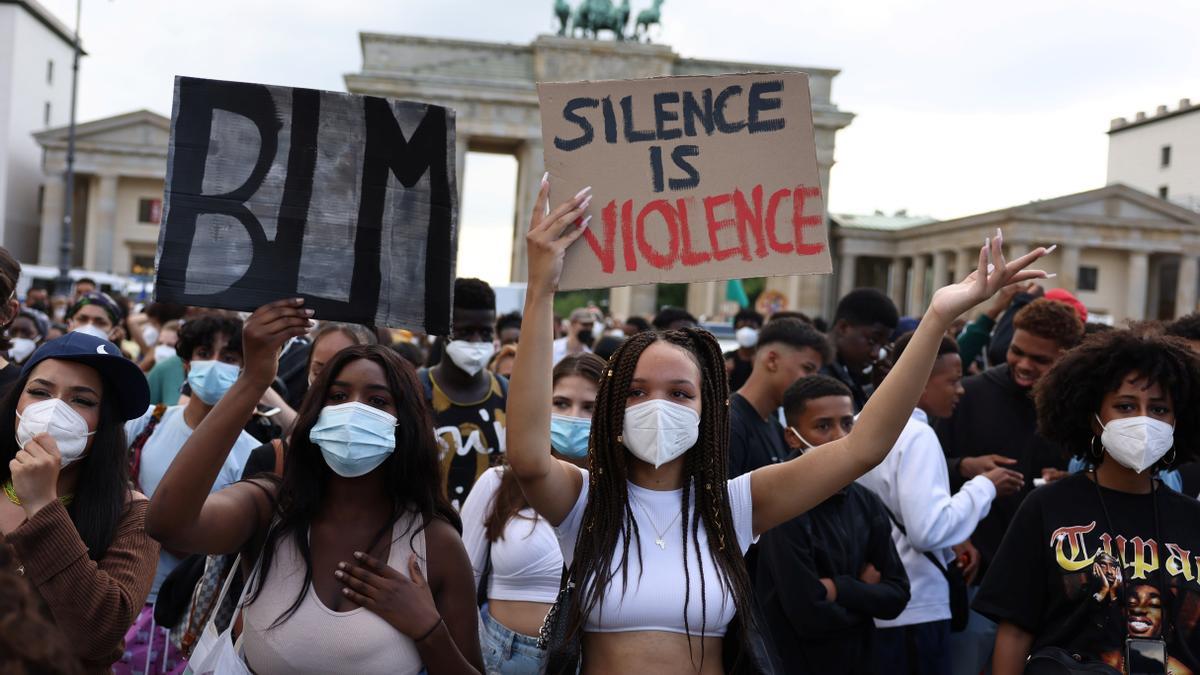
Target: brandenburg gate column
{"type": "Point", "coordinates": [530, 168]}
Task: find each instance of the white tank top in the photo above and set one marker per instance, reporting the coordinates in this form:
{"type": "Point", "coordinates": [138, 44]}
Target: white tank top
{"type": "Point", "coordinates": [318, 640]}
{"type": "Point", "coordinates": [526, 561]}
{"type": "Point", "coordinates": [654, 599]}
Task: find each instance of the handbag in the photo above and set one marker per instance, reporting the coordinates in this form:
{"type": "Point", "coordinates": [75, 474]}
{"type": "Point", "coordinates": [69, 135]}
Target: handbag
{"type": "Point", "coordinates": [1058, 661]}
{"type": "Point", "coordinates": [563, 648]}
{"type": "Point", "coordinates": [960, 604]}
{"type": "Point", "coordinates": [215, 652]}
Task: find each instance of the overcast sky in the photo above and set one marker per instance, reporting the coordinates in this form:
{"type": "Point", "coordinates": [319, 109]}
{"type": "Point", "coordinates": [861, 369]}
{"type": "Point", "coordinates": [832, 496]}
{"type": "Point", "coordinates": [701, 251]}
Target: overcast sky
{"type": "Point", "coordinates": [961, 107]}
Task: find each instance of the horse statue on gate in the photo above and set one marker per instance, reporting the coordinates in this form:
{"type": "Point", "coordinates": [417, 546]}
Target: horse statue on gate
{"type": "Point", "coordinates": [563, 11]}
{"type": "Point", "coordinates": [647, 18]}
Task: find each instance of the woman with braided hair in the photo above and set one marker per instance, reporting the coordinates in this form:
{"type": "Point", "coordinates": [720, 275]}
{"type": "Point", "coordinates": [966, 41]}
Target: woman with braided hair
{"type": "Point", "coordinates": [652, 533]}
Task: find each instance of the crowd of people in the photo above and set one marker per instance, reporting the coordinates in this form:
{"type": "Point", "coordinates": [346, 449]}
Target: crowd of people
{"type": "Point", "coordinates": [197, 488]}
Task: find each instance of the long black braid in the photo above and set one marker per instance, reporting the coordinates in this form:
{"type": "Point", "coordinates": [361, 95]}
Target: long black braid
{"type": "Point", "coordinates": [608, 514]}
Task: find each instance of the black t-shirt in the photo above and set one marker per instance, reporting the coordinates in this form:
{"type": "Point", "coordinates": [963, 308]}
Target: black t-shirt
{"type": "Point", "coordinates": [741, 370]}
{"type": "Point", "coordinates": [753, 441]}
{"type": "Point", "coordinates": [1074, 581]}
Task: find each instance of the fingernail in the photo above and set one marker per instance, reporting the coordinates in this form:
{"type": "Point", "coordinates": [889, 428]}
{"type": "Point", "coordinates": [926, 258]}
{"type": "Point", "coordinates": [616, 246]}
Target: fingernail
{"type": "Point", "coordinates": [309, 312]}
{"type": "Point", "coordinates": [583, 192]}
{"type": "Point", "coordinates": [1051, 249]}
{"type": "Point", "coordinates": [584, 224]}
{"type": "Point", "coordinates": [341, 566]}
{"type": "Point", "coordinates": [359, 555]}
{"type": "Point", "coordinates": [345, 591]}
{"type": "Point", "coordinates": [545, 178]}
{"type": "Point", "coordinates": [987, 242]}
{"type": "Point", "coordinates": [999, 234]}
{"type": "Point", "coordinates": [585, 203]}
{"type": "Point", "coordinates": [299, 301]}
{"type": "Point", "coordinates": [1051, 276]}
{"type": "Point", "coordinates": [339, 574]}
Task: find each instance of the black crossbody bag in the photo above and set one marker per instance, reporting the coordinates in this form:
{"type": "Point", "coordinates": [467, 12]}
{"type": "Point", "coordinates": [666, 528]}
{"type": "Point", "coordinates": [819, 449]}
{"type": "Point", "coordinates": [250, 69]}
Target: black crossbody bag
{"type": "Point", "coordinates": [960, 606]}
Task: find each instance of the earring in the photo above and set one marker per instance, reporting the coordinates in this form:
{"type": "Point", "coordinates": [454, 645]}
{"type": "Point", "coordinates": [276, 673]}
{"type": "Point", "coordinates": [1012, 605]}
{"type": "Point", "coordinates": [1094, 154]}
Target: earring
{"type": "Point", "coordinates": [1171, 461]}
{"type": "Point", "coordinates": [1095, 453]}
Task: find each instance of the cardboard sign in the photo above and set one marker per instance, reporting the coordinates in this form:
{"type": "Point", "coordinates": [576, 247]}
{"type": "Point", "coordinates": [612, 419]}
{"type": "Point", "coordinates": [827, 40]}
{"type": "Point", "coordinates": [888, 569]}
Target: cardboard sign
{"type": "Point", "coordinates": [346, 201]}
{"type": "Point", "coordinates": [693, 178]}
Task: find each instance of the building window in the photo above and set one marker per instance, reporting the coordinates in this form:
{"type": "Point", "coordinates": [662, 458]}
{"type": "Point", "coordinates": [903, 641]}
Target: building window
{"type": "Point", "coordinates": [1166, 156]}
{"type": "Point", "coordinates": [50, 71]}
{"type": "Point", "coordinates": [142, 265]}
{"type": "Point", "coordinates": [46, 114]}
{"type": "Point", "coordinates": [1162, 192]}
{"type": "Point", "coordinates": [149, 211]}
{"type": "Point", "coordinates": [1089, 278]}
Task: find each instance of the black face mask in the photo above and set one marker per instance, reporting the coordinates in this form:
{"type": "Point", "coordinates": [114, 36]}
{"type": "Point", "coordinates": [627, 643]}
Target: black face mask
{"type": "Point", "coordinates": [585, 336]}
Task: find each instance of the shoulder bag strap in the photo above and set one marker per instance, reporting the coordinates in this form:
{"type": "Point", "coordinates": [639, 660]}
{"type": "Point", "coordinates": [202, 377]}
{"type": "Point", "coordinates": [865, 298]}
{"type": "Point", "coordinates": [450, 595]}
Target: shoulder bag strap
{"type": "Point", "coordinates": [135, 448]}
{"type": "Point", "coordinates": [930, 556]}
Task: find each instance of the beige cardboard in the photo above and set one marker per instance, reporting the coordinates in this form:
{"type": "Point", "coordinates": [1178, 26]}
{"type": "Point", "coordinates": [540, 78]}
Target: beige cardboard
{"type": "Point", "coordinates": [739, 219]}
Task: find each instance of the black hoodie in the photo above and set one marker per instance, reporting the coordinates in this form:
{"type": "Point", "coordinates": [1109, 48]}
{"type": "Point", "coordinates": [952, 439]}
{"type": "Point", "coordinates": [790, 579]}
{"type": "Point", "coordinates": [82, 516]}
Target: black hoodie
{"type": "Point", "coordinates": [995, 416]}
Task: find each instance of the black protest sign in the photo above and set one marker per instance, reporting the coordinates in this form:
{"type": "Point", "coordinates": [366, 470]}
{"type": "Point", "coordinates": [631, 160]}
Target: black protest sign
{"type": "Point", "coordinates": [346, 201]}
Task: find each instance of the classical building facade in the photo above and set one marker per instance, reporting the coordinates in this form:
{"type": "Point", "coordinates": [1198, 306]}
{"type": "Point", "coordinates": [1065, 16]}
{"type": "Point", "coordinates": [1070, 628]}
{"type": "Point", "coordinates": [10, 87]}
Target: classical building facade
{"type": "Point", "coordinates": [35, 93]}
{"type": "Point", "coordinates": [1126, 254]}
{"type": "Point", "coordinates": [1159, 153]}
{"type": "Point", "coordinates": [492, 87]}
{"type": "Point", "coordinates": [120, 170]}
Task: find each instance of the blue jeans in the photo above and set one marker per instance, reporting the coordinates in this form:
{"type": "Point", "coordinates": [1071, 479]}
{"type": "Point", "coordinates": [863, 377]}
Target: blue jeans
{"type": "Point", "coordinates": [919, 649]}
{"type": "Point", "coordinates": [971, 650]}
{"type": "Point", "coordinates": [509, 653]}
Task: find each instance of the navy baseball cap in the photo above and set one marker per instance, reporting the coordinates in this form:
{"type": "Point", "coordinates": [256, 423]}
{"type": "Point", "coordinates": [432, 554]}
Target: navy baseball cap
{"type": "Point", "coordinates": [123, 379]}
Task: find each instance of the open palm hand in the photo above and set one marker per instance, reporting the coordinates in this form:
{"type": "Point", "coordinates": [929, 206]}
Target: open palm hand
{"type": "Point", "coordinates": [993, 274]}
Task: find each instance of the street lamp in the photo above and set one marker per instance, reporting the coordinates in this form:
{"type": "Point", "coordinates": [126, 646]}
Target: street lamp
{"type": "Point", "coordinates": [63, 283]}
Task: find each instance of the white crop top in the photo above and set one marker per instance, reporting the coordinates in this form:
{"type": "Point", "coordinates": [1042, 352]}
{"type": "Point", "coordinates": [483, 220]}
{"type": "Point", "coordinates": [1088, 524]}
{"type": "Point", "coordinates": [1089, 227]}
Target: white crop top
{"type": "Point", "coordinates": [526, 561]}
{"type": "Point", "coordinates": [654, 599]}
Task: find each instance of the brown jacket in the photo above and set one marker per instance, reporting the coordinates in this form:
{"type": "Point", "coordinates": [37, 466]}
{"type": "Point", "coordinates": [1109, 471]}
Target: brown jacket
{"type": "Point", "coordinates": [92, 602]}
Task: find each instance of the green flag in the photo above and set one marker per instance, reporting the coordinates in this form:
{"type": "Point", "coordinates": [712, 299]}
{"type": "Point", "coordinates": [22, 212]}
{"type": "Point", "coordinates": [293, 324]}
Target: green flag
{"type": "Point", "coordinates": [734, 292]}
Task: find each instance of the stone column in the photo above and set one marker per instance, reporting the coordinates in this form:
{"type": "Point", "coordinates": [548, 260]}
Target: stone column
{"type": "Point", "coordinates": [965, 261]}
{"type": "Point", "coordinates": [941, 268]}
{"type": "Point", "coordinates": [104, 230]}
{"type": "Point", "coordinates": [1135, 283]}
{"type": "Point", "coordinates": [846, 274]}
{"type": "Point", "coordinates": [704, 298]}
{"type": "Point", "coordinates": [52, 220]}
{"type": "Point", "coordinates": [1185, 289]}
{"type": "Point", "coordinates": [896, 273]}
{"type": "Point", "coordinates": [1068, 267]}
{"type": "Point", "coordinates": [627, 301]}
{"type": "Point", "coordinates": [916, 292]}
{"type": "Point", "coordinates": [529, 178]}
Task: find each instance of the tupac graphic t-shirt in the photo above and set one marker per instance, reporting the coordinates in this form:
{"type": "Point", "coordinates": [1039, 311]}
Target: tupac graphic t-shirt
{"type": "Point", "coordinates": [470, 434]}
{"type": "Point", "coordinates": [1075, 580]}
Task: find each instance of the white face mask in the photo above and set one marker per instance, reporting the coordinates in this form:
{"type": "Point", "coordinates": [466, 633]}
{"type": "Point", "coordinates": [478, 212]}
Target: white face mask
{"type": "Point", "coordinates": [658, 431]}
{"type": "Point", "coordinates": [53, 416]}
{"type": "Point", "coordinates": [470, 356]}
{"type": "Point", "coordinates": [746, 337]}
{"type": "Point", "coordinates": [1137, 442]}
{"type": "Point", "coordinates": [163, 352]}
{"type": "Point", "coordinates": [149, 334]}
{"type": "Point", "coordinates": [21, 349]}
{"type": "Point", "coordinates": [807, 445]}
{"type": "Point", "coordinates": [94, 331]}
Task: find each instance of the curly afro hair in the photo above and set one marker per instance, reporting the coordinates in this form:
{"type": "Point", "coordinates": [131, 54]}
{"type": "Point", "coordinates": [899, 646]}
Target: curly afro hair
{"type": "Point", "coordinates": [1187, 327]}
{"type": "Point", "coordinates": [1051, 320]}
{"type": "Point", "coordinates": [1073, 390]}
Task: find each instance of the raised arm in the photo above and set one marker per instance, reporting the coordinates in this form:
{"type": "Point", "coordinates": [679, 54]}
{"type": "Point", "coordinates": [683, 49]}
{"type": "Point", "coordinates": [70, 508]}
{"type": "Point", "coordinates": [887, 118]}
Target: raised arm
{"type": "Point", "coordinates": [551, 486]}
{"type": "Point", "coordinates": [182, 514]}
{"type": "Point", "coordinates": [783, 491]}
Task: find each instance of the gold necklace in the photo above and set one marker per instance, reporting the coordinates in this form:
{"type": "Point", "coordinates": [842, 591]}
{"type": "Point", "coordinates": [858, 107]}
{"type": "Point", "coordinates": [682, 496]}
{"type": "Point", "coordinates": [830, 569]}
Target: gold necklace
{"type": "Point", "coordinates": [12, 495]}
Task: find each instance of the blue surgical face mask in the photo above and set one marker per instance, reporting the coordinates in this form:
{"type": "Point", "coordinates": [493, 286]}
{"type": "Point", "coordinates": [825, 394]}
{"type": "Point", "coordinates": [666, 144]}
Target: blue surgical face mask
{"type": "Point", "coordinates": [210, 380]}
{"type": "Point", "coordinates": [354, 438]}
{"type": "Point", "coordinates": [569, 435]}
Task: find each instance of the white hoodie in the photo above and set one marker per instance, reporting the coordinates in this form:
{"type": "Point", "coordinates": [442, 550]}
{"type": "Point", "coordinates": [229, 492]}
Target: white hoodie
{"type": "Point", "coordinates": [914, 484]}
